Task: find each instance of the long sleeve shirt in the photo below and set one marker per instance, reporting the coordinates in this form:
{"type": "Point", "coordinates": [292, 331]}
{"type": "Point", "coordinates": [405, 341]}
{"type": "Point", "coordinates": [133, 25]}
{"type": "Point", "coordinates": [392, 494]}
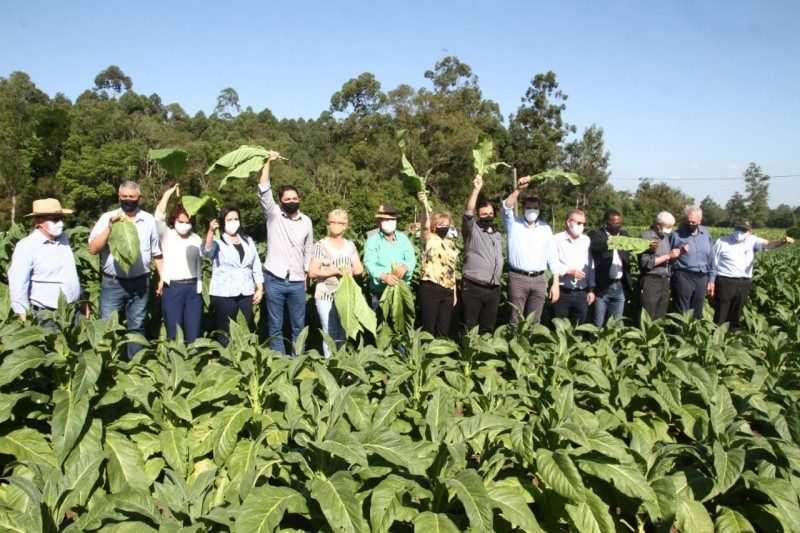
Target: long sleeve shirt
{"type": "Point", "coordinates": [380, 254]}
{"type": "Point", "coordinates": [700, 257]}
{"type": "Point", "coordinates": [531, 248]}
{"type": "Point", "coordinates": [149, 245]}
{"type": "Point", "coordinates": [574, 254]}
{"type": "Point", "coordinates": [232, 275]}
{"type": "Point", "coordinates": [40, 271]}
{"type": "Point", "coordinates": [290, 241]}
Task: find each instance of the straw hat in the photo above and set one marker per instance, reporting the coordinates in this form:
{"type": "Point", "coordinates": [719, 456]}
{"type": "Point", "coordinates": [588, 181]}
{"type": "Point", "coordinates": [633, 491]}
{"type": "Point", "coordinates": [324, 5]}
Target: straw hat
{"type": "Point", "coordinates": [386, 211]}
{"type": "Point", "coordinates": [48, 206]}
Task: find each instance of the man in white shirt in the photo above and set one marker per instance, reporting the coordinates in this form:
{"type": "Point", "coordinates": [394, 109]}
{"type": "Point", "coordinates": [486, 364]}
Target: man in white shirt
{"type": "Point", "coordinates": [576, 270]}
{"type": "Point", "coordinates": [531, 252]}
{"type": "Point", "coordinates": [733, 257]}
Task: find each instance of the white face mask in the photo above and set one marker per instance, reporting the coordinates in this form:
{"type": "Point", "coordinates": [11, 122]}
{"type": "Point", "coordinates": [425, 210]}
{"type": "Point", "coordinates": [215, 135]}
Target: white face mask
{"type": "Point", "coordinates": [740, 236]}
{"type": "Point", "coordinates": [232, 227]}
{"type": "Point", "coordinates": [577, 230]}
{"type": "Point", "coordinates": [531, 215]}
{"type": "Point", "coordinates": [183, 227]}
{"type": "Point", "coordinates": [55, 228]}
{"type": "Point", "coordinates": [666, 231]}
{"type": "Point", "coordinates": [388, 226]}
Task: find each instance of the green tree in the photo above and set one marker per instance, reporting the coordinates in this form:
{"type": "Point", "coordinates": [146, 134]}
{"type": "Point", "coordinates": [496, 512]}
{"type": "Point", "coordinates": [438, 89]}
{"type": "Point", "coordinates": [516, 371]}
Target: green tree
{"type": "Point", "coordinates": [781, 217]}
{"type": "Point", "coordinates": [736, 208]}
{"type": "Point", "coordinates": [757, 188]}
{"type": "Point", "coordinates": [589, 158]}
{"type": "Point", "coordinates": [713, 213]}
{"type": "Point", "coordinates": [653, 197]}
{"type": "Point", "coordinates": [112, 79]}
{"type": "Point", "coordinates": [360, 96]}
{"type": "Point", "coordinates": [227, 104]}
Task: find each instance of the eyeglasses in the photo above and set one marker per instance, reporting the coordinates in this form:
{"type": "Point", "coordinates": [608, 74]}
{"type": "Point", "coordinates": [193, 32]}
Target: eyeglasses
{"type": "Point", "coordinates": [337, 222]}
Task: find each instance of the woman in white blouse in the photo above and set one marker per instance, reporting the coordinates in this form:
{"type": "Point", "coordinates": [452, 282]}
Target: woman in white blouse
{"type": "Point", "coordinates": [180, 286]}
{"type": "Point", "coordinates": [237, 282]}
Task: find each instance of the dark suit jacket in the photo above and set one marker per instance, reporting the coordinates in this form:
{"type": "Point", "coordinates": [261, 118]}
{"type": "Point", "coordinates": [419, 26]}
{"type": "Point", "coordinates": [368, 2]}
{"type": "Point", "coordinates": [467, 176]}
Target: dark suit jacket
{"type": "Point", "coordinates": [602, 261]}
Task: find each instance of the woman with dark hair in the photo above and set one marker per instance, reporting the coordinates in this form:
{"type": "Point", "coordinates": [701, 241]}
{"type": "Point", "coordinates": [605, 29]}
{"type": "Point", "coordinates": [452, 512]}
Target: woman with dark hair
{"type": "Point", "coordinates": [180, 286]}
{"type": "Point", "coordinates": [237, 283]}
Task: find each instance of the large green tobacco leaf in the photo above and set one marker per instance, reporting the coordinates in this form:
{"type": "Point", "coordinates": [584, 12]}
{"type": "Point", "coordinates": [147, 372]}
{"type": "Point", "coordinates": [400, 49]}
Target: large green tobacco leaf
{"type": "Point", "coordinates": [386, 503]}
{"type": "Point", "coordinates": [591, 515]}
{"type": "Point", "coordinates": [428, 522]}
{"type": "Point", "coordinates": [27, 444]}
{"type": "Point", "coordinates": [17, 362]}
{"type": "Point", "coordinates": [77, 483]}
{"type": "Point", "coordinates": [344, 445]}
{"type": "Point", "coordinates": [355, 314]}
{"type": "Point", "coordinates": [397, 305]}
{"type": "Point", "coordinates": [634, 245]}
{"type": "Point", "coordinates": [625, 477]}
{"type": "Point", "coordinates": [728, 467]}
{"type": "Point", "coordinates": [239, 163]}
{"type": "Point", "coordinates": [439, 416]}
{"type": "Point", "coordinates": [124, 243]}
{"type": "Point", "coordinates": [482, 154]}
{"type": "Point", "coordinates": [125, 467]}
{"type": "Point", "coordinates": [471, 491]}
{"type": "Point", "coordinates": [730, 521]}
{"type": "Point", "coordinates": [227, 425]}
{"type": "Point", "coordinates": [173, 160]}
{"type": "Point", "coordinates": [337, 499]}
{"type": "Point", "coordinates": [412, 182]}
{"type": "Point", "coordinates": [512, 500]}
{"type": "Point", "coordinates": [69, 418]}
{"type": "Point", "coordinates": [559, 472]}
{"type": "Point", "coordinates": [571, 177]}
{"type": "Point", "coordinates": [691, 515]}
{"type": "Point", "coordinates": [399, 450]}
{"type": "Point", "coordinates": [783, 497]}
{"type": "Point", "coordinates": [174, 448]}
{"type": "Point", "coordinates": [206, 204]}
{"type": "Point", "coordinates": [264, 507]}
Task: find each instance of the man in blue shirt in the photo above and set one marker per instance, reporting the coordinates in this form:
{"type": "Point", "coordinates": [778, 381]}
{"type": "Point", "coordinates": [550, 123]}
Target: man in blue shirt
{"type": "Point", "coordinates": [693, 271]}
{"type": "Point", "coordinates": [531, 252]}
{"type": "Point", "coordinates": [43, 266]}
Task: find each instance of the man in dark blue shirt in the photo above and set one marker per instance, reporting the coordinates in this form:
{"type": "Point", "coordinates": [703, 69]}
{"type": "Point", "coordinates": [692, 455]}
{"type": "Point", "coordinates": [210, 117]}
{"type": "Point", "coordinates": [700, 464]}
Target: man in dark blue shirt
{"type": "Point", "coordinates": [693, 270]}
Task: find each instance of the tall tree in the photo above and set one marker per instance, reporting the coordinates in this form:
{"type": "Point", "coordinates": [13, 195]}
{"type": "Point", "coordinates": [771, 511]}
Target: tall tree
{"type": "Point", "coordinates": [112, 78]}
{"type": "Point", "coordinates": [360, 96]}
{"type": "Point", "coordinates": [713, 213]}
{"type": "Point", "coordinates": [781, 217]}
{"type": "Point", "coordinates": [736, 208]}
{"type": "Point", "coordinates": [757, 188]}
{"type": "Point", "coordinates": [589, 158]}
{"type": "Point", "coordinates": [227, 104]}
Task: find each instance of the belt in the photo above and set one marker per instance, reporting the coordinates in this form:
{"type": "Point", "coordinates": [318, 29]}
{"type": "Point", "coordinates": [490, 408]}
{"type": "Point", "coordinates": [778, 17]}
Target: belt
{"type": "Point", "coordinates": [729, 277]}
{"type": "Point", "coordinates": [532, 274]}
{"type": "Point", "coordinates": [122, 278]}
{"type": "Point", "coordinates": [660, 276]}
{"type": "Point", "coordinates": [692, 273]}
{"type": "Point", "coordinates": [570, 289]}
{"type": "Point", "coordinates": [185, 281]}
{"type": "Point", "coordinates": [480, 283]}
{"type": "Point", "coordinates": [42, 308]}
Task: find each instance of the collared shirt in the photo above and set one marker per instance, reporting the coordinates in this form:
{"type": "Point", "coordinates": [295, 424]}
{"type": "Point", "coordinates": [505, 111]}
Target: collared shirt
{"type": "Point", "coordinates": [380, 254]}
{"type": "Point", "coordinates": [290, 241]}
{"type": "Point", "coordinates": [40, 271]}
{"type": "Point", "coordinates": [647, 261]}
{"type": "Point", "coordinates": [530, 247]}
{"type": "Point", "coordinates": [439, 261]}
{"type": "Point", "coordinates": [735, 259]}
{"type": "Point", "coordinates": [232, 275]}
{"type": "Point", "coordinates": [700, 257]}
{"type": "Point", "coordinates": [149, 246]}
{"type": "Point", "coordinates": [483, 252]}
{"type": "Point", "coordinates": [181, 254]}
{"type": "Point", "coordinates": [574, 254]}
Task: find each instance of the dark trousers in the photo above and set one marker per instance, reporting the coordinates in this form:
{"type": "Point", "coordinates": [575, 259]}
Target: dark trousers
{"type": "Point", "coordinates": [654, 295]}
{"type": "Point", "coordinates": [572, 305]}
{"type": "Point", "coordinates": [730, 297]}
{"type": "Point", "coordinates": [435, 308]}
{"type": "Point", "coordinates": [689, 291]}
{"type": "Point", "coordinates": [182, 306]}
{"type": "Point", "coordinates": [226, 308]}
{"type": "Point", "coordinates": [480, 304]}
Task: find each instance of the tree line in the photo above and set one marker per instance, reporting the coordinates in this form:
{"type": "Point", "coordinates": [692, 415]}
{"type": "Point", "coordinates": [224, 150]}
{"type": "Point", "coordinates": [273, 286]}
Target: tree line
{"type": "Point", "coordinates": [346, 158]}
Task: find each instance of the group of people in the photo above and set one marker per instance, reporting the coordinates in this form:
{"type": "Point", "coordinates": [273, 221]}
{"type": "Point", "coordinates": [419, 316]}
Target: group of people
{"type": "Point", "coordinates": [589, 279]}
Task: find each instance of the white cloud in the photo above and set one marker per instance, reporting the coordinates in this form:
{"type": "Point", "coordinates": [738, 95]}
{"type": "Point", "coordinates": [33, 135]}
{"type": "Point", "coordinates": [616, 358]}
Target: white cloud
{"type": "Point", "coordinates": [695, 167]}
{"type": "Point", "coordinates": [733, 166]}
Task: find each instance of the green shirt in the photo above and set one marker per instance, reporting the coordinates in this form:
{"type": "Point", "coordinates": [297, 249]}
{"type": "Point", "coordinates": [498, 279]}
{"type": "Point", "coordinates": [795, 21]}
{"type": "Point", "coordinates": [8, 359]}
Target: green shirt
{"type": "Point", "coordinates": [380, 254]}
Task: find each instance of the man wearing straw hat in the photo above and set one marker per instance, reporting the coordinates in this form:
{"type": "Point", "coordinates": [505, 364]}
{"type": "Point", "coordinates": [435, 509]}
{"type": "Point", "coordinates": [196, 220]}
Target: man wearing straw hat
{"type": "Point", "coordinates": [43, 266]}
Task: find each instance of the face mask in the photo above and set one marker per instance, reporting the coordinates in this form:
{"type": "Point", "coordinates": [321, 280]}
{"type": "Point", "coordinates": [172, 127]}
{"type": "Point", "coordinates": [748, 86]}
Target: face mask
{"type": "Point", "coordinates": [613, 229]}
{"type": "Point", "coordinates": [485, 222]}
{"type": "Point", "coordinates": [335, 230]}
{"type": "Point", "coordinates": [740, 236]}
{"type": "Point", "coordinates": [442, 232]}
{"type": "Point", "coordinates": [577, 229]}
{"type": "Point", "coordinates": [290, 208]}
{"type": "Point", "coordinates": [666, 231]}
{"type": "Point", "coordinates": [388, 226]}
{"type": "Point", "coordinates": [183, 227]}
{"type": "Point", "coordinates": [531, 215]}
{"type": "Point", "coordinates": [129, 206]}
{"type": "Point", "coordinates": [55, 228]}
{"type": "Point", "coordinates": [232, 227]}
{"type": "Point", "coordinates": [692, 227]}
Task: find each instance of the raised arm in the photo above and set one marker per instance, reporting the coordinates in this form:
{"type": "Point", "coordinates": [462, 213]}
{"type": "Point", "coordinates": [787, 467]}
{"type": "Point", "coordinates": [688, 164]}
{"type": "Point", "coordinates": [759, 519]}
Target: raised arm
{"type": "Point", "coordinates": [425, 217]}
{"type": "Point", "coordinates": [770, 245]}
{"type": "Point", "coordinates": [522, 183]}
{"type": "Point", "coordinates": [477, 185]}
{"type": "Point", "coordinates": [161, 210]}
{"type": "Point", "coordinates": [265, 186]}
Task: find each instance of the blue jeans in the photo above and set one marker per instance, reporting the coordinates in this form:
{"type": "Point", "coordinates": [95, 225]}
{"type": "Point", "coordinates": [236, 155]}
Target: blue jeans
{"type": "Point", "coordinates": [612, 303]}
{"type": "Point", "coordinates": [131, 295]}
{"type": "Point", "coordinates": [329, 320]}
{"type": "Point", "coordinates": [182, 305]}
{"type": "Point", "coordinates": [284, 294]}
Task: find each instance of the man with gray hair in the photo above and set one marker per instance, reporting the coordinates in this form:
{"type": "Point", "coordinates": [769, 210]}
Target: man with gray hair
{"type": "Point", "coordinates": [120, 288]}
{"type": "Point", "coordinates": [693, 271]}
{"type": "Point", "coordinates": [655, 267]}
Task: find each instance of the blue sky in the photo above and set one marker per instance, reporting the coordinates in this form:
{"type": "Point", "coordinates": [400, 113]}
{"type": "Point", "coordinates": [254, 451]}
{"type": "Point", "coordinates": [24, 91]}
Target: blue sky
{"type": "Point", "coordinates": [688, 92]}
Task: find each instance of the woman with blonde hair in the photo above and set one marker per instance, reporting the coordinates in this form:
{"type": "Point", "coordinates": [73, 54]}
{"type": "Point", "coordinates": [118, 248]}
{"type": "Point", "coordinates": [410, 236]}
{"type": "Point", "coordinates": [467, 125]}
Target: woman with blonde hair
{"type": "Point", "coordinates": [437, 289]}
{"type": "Point", "coordinates": [333, 257]}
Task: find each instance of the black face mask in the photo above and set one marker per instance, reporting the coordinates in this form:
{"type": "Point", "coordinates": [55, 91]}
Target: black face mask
{"type": "Point", "coordinates": [485, 222]}
{"type": "Point", "coordinates": [129, 206]}
{"type": "Point", "coordinates": [290, 208]}
{"type": "Point", "coordinates": [613, 229]}
{"type": "Point", "coordinates": [442, 232]}
{"type": "Point", "coordinates": [692, 227]}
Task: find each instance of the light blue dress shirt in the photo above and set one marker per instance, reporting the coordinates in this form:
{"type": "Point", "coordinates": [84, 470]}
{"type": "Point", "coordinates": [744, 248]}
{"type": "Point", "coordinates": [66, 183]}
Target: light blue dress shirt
{"type": "Point", "coordinates": [148, 244]}
{"type": "Point", "coordinates": [531, 248]}
{"type": "Point", "coordinates": [40, 271]}
{"type": "Point", "coordinates": [231, 276]}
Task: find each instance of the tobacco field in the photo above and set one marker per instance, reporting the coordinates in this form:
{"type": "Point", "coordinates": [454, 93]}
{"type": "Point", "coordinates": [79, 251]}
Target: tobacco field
{"type": "Point", "coordinates": [677, 425]}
